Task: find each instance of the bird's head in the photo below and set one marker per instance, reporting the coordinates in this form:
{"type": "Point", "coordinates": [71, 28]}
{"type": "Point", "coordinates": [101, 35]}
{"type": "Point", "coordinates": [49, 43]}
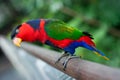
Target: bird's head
{"type": "Point", "coordinates": [23, 32]}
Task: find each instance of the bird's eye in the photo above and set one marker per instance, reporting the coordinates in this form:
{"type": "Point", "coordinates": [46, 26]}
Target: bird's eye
{"type": "Point", "coordinates": [17, 31]}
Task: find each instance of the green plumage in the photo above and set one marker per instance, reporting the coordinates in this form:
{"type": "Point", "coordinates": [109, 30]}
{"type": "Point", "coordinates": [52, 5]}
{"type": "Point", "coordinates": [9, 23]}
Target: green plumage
{"type": "Point", "coordinates": [59, 30]}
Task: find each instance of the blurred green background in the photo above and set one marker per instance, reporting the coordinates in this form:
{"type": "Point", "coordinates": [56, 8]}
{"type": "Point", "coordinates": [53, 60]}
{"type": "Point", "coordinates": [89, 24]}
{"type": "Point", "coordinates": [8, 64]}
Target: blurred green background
{"type": "Point", "coordinates": [99, 17]}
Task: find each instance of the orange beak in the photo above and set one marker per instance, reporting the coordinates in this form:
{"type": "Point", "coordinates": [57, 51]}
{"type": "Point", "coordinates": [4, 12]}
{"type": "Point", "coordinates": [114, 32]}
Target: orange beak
{"type": "Point", "coordinates": [17, 41]}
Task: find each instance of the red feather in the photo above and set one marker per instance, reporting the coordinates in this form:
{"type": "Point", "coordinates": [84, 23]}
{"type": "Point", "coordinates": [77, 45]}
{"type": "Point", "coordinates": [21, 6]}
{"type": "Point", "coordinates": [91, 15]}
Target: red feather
{"type": "Point", "coordinates": [61, 43]}
{"type": "Point", "coordinates": [87, 39]}
{"type": "Point", "coordinates": [64, 43]}
{"type": "Point", "coordinates": [25, 32]}
{"type": "Point", "coordinates": [42, 36]}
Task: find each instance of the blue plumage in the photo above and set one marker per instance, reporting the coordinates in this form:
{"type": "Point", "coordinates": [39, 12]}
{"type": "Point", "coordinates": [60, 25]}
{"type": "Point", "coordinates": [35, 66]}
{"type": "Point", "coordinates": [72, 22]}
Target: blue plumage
{"type": "Point", "coordinates": [71, 48]}
{"type": "Point", "coordinates": [34, 23]}
{"type": "Point", "coordinates": [73, 45]}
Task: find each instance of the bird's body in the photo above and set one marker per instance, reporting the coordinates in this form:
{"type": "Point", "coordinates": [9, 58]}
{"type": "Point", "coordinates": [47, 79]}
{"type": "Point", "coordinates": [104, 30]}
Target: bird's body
{"type": "Point", "coordinates": [54, 33]}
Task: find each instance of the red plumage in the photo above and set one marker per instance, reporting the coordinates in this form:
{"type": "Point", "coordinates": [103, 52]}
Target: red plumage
{"type": "Point", "coordinates": [87, 39]}
{"type": "Point", "coordinates": [41, 36]}
{"type": "Point", "coordinates": [26, 31]}
{"type": "Point", "coordinates": [34, 31]}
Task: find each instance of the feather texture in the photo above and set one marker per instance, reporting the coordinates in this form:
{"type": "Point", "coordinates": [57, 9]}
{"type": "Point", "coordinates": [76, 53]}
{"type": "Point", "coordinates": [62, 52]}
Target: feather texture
{"type": "Point", "coordinates": [55, 33]}
{"type": "Point", "coordinates": [59, 30]}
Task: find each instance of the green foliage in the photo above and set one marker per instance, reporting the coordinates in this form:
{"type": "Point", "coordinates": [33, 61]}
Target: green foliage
{"type": "Point", "coordinates": [95, 16]}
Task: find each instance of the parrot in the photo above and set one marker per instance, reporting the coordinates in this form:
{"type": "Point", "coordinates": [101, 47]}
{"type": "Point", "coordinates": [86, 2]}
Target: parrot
{"type": "Point", "coordinates": [55, 33]}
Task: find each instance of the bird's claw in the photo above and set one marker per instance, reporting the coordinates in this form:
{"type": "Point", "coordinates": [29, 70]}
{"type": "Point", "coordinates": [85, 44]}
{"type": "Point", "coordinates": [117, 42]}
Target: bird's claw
{"type": "Point", "coordinates": [63, 55]}
{"type": "Point", "coordinates": [67, 60]}
{"type": "Point", "coordinates": [57, 61]}
{"type": "Point", "coordinates": [65, 64]}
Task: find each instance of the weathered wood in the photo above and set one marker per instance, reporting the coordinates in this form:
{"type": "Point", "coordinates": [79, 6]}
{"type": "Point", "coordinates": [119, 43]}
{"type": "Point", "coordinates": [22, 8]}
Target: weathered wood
{"type": "Point", "coordinates": [77, 68]}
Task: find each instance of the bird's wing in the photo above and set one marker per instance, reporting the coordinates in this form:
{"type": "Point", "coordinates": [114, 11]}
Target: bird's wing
{"type": "Point", "coordinates": [59, 30]}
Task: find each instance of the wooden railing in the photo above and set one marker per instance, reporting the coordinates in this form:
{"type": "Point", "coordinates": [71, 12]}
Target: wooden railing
{"type": "Point", "coordinates": [76, 68]}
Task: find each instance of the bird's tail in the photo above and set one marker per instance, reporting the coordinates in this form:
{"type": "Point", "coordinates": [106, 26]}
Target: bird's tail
{"type": "Point", "coordinates": [99, 53]}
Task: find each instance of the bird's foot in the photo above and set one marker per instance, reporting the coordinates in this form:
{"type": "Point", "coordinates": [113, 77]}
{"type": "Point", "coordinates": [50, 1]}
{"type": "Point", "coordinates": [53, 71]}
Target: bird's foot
{"type": "Point", "coordinates": [63, 55]}
{"type": "Point", "coordinates": [66, 61]}
{"type": "Point", "coordinates": [57, 60]}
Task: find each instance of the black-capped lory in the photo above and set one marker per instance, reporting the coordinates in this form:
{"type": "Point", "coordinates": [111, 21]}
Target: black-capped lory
{"type": "Point", "coordinates": [55, 33]}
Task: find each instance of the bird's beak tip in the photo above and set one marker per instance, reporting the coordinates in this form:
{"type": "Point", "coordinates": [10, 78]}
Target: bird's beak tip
{"type": "Point", "coordinates": [17, 41]}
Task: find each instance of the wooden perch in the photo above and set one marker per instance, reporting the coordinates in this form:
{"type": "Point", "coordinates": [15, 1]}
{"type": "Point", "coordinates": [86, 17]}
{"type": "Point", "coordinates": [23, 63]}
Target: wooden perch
{"type": "Point", "coordinates": [77, 68]}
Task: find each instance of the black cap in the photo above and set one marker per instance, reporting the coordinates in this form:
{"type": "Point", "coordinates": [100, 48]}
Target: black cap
{"type": "Point", "coordinates": [14, 31]}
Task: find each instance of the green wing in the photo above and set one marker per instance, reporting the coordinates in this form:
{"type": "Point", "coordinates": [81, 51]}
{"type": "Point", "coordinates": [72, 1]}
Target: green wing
{"type": "Point", "coordinates": [59, 30]}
